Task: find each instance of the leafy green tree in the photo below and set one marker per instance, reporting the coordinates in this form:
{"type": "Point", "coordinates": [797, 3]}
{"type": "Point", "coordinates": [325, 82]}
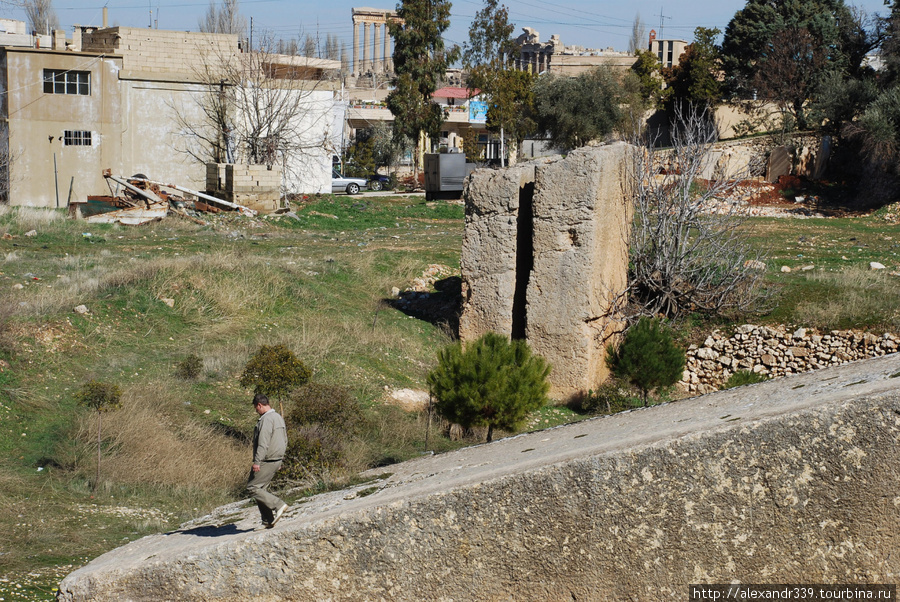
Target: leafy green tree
{"type": "Point", "coordinates": [490, 382]}
{"type": "Point", "coordinates": [487, 58]}
{"type": "Point", "coordinates": [648, 69]}
{"type": "Point", "coordinates": [572, 111]}
{"type": "Point", "coordinates": [647, 357]}
{"type": "Point", "coordinates": [750, 33]}
{"type": "Point", "coordinates": [694, 82]}
{"type": "Point", "coordinates": [420, 61]}
{"type": "Point", "coordinates": [274, 371]}
{"type": "Point", "coordinates": [100, 397]}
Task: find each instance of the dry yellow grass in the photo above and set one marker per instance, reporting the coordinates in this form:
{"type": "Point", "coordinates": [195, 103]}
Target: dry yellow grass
{"type": "Point", "coordinates": [144, 445]}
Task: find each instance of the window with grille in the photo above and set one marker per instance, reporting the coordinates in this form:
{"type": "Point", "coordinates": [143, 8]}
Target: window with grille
{"type": "Point", "coordinates": [76, 138]}
{"type": "Point", "coordinates": [59, 81]}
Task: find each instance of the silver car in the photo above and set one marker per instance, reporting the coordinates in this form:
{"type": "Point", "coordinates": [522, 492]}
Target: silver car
{"type": "Point", "coordinates": [349, 185]}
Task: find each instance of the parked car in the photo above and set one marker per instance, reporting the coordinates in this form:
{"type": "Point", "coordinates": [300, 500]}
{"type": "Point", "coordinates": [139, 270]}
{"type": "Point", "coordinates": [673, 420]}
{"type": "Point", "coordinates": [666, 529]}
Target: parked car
{"type": "Point", "coordinates": [349, 185]}
{"type": "Point", "coordinates": [378, 181]}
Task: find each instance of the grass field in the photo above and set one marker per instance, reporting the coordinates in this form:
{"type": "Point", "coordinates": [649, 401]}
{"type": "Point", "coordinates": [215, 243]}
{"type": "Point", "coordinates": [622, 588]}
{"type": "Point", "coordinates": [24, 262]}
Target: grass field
{"type": "Point", "coordinates": [152, 295]}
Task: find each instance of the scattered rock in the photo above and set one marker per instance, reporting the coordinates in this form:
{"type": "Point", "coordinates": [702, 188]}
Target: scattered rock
{"type": "Point", "coordinates": [785, 269]}
{"type": "Point", "coordinates": [81, 309]}
{"type": "Point", "coordinates": [411, 400]}
{"type": "Point", "coordinates": [395, 292]}
{"type": "Point", "coordinates": [169, 302]}
{"type": "Point", "coordinates": [874, 265]}
{"type": "Point", "coordinates": [31, 233]}
{"type": "Point", "coordinates": [806, 268]}
{"type": "Point", "coordinates": [18, 286]}
{"type": "Point", "coordinates": [754, 264]}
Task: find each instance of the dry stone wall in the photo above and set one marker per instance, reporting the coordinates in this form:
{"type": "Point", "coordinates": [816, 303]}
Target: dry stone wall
{"type": "Point", "coordinates": [777, 351]}
{"type": "Point", "coordinates": [545, 256]}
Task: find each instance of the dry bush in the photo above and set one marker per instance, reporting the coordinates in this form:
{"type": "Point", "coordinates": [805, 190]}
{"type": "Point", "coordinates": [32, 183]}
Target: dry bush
{"type": "Point", "coordinates": [851, 296]}
{"type": "Point", "coordinates": [143, 444]}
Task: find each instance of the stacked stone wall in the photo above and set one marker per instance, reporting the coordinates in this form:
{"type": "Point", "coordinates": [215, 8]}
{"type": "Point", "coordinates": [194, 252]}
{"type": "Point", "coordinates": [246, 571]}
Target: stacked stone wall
{"type": "Point", "coordinates": [776, 351]}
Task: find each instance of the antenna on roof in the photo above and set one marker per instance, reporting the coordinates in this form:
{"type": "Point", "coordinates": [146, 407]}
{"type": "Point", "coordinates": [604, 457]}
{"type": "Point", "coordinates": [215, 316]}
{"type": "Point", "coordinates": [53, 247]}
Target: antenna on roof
{"type": "Point", "coordinates": [661, 21]}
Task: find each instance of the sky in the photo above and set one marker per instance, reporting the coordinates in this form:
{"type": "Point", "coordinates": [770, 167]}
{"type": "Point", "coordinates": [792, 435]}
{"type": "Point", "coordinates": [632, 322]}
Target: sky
{"type": "Point", "coordinates": [591, 24]}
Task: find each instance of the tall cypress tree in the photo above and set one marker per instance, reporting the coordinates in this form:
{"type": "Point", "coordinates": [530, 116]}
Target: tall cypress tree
{"type": "Point", "coordinates": [420, 61]}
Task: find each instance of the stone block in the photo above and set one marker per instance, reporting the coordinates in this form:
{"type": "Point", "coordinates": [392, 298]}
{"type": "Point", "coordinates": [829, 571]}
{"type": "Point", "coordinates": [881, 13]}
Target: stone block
{"type": "Point", "coordinates": [582, 216]}
{"type": "Point", "coordinates": [794, 480]}
{"type": "Point", "coordinates": [779, 164]}
{"type": "Point", "coordinates": [488, 262]}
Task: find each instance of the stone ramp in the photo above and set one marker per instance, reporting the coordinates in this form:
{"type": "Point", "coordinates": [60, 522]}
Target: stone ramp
{"type": "Point", "coordinates": [788, 481]}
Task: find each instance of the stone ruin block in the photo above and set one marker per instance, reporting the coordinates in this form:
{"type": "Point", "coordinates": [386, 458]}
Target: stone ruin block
{"type": "Point", "coordinates": [779, 164]}
{"type": "Point", "coordinates": [490, 255]}
{"type": "Point", "coordinates": [545, 254]}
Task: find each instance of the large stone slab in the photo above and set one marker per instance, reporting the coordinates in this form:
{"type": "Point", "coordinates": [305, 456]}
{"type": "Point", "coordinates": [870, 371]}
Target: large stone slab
{"type": "Point", "coordinates": [582, 218]}
{"type": "Point", "coordinates": [788, 481]}
{"type": "Point", "coordinates": [489, 253]}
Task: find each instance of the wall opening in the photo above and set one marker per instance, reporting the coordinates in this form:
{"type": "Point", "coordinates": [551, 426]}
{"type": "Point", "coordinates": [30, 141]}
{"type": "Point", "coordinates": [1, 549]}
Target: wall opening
{"type": "Point", "coordinates": [524, 259]}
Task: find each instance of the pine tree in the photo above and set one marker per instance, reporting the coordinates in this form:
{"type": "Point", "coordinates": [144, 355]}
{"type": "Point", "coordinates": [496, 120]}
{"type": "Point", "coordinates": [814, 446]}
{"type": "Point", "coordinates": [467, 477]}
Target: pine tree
{"type": "Point", "coordinates": [648, 357]}
{"type": "Point", "coordinates": [490, 382]}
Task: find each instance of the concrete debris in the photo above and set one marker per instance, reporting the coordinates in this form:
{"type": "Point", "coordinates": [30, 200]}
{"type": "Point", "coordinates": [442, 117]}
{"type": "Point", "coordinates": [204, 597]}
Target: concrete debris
{"type": "Point", "coordinates": [139, 200]}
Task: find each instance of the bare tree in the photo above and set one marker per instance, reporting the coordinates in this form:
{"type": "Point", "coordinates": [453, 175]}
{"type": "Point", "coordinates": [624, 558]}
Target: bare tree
{"type": "Point", "coordinates": [258, 107]}
{"type": "Point", "coordinates": [41, 16]}
{"type": "Point", "coordinates": [222, 19]}
{"type": "Point", "coordinates": [309, 46]}
{"type": "Point", "coordinates": [688, 247]}
{"type": "Point", "coordinates": [638, 40]}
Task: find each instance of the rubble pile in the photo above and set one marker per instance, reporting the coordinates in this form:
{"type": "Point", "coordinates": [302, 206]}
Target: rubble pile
{"type": "Point", "coordinates": [776, 351]}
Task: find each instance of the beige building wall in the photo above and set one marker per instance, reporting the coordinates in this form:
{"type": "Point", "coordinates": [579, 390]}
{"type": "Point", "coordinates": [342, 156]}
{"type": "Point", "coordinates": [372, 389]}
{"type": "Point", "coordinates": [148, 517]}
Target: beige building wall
{"type": "Point", "coordinates": [152, 143]}
{"type": "Point", "coordinates": [37, 123]}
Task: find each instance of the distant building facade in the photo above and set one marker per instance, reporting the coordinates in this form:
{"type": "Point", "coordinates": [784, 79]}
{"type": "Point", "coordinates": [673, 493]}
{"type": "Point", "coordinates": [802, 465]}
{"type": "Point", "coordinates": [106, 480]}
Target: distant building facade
{"type": "Point", "coordinates": [113, 97]}
{"type": "Point", "coordinates": [555, 57]}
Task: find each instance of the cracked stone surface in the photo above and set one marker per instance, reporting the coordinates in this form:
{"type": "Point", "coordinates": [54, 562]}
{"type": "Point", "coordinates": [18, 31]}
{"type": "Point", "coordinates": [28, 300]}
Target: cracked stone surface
{"type": "Point", "coordinates": [788, 481]}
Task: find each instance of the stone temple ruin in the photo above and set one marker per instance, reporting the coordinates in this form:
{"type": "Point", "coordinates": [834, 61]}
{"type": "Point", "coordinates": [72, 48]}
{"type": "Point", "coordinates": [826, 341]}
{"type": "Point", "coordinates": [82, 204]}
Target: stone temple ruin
{"type": "Point", "coordinates": [545, 257]}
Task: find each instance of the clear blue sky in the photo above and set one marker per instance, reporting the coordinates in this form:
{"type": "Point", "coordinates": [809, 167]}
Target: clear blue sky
{"type": "Point", "coordinates": [592, 23]}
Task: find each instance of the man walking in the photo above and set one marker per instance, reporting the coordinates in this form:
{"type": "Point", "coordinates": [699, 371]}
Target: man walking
{"type": "Point", "coordinates": [269, 443]}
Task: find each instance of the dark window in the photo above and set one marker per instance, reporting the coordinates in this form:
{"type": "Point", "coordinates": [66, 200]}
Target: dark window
{"type": "Point", "coordinates": [76, 138]}
{"type": "Point", "coordinates": [59, 81]}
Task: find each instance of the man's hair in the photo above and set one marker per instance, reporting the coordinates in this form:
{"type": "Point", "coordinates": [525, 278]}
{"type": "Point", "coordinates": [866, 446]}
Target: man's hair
{"type": "Point", "coordinates": [260, 400]}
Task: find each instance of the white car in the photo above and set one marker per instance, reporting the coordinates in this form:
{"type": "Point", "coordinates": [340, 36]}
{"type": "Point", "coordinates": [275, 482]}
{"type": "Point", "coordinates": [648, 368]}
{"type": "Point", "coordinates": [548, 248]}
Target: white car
{"type": "Point", "coordinates": [349, 185]}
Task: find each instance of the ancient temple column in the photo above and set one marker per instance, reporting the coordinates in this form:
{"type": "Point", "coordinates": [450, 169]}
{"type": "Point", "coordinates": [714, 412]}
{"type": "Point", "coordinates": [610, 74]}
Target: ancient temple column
{"type": "Point", "coordinates": [388, 64]}
{"type": "Point", "coordinates": [376, 48]}
{"type": "Point", "coordinates": [367, 49]}
{"type": "Point", "coordinates": [355, 68]}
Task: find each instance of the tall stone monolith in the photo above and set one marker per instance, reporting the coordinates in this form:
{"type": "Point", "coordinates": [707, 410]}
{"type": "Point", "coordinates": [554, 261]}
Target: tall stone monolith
{"type": "Point", "coordinates": [545, 258]}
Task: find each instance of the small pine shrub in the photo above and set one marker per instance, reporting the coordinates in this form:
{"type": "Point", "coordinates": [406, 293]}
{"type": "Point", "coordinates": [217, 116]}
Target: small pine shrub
{"type": "Point", "coordinates": [189, 368]}
{"type": "Point", "coordinates": [490, 382]}
{"type": "Point", "coordinates": [274, 371]}
{"type": "Point", "coordinates": [647, 357]}
{"type": "Point", "coordinates": [744, 377]}
{"type": "Point", "coordinates": [331, 406]}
